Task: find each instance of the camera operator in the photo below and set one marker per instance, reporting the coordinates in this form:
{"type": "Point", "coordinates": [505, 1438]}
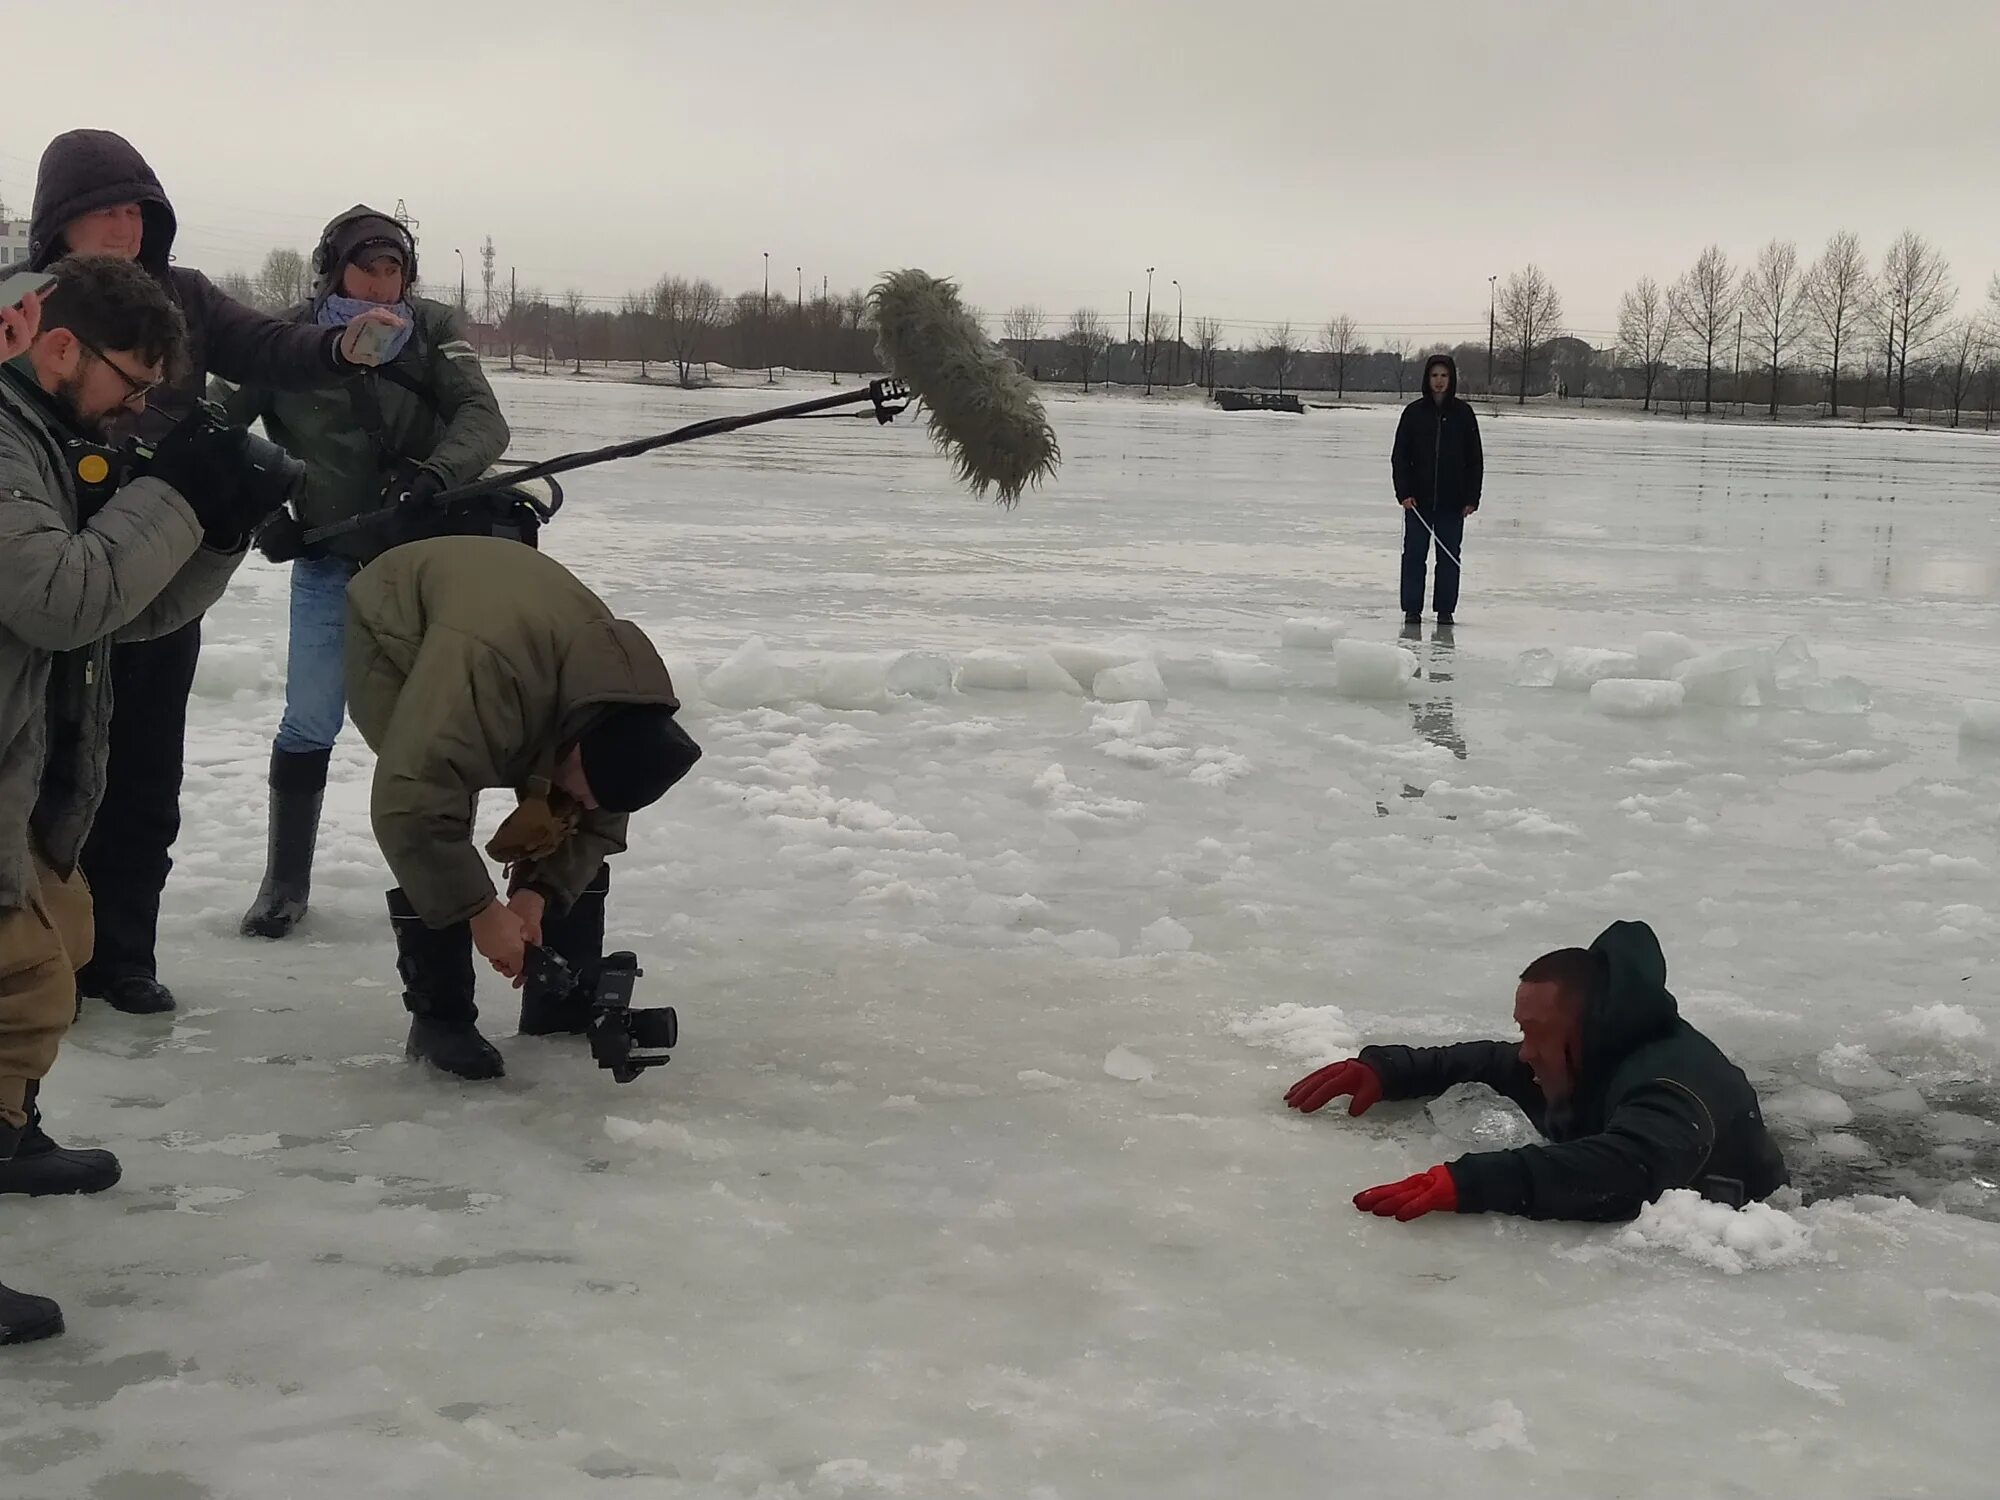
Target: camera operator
{"type": "Point", "coordinates": [95, 195]}
{"type": "Point", "coordinates": [476, 663]}
{"type": "Point", "coordinates": [421, 422]}
{"type": "Point", "coordinates": [89, 554]}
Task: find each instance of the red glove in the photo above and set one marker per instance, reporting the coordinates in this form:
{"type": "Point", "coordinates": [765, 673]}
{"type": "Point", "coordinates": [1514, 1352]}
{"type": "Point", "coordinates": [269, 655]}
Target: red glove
{"type": "Point", "coordinates": [1316, 1090]}
{"type": "Point", "coordinates": [1412, 1198]}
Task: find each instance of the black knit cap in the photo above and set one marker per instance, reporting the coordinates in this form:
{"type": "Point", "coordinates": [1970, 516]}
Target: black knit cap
{"type": "Point", "coordinates": [633, 754]}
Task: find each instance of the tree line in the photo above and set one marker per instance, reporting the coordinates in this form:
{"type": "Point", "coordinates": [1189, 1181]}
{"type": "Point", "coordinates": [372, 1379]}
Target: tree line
{"type": "Point", "coordinates": [1835, 331]}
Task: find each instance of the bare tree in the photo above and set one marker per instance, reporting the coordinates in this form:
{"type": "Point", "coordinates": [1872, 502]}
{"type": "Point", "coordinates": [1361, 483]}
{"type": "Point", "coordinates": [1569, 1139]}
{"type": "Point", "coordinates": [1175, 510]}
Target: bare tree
{"type": "Point", "coordinates": [1084, 340]}
{"type": "Point", "coordinates": [1645, 328]}
{"type": "Point", "coordinates": [1159, 329]}
{"type": "Point", "coordinates": [635, 312]}
{"type": "Point", "coordinates": [1774, 302]}
{"type": "Point", "coordinates": [573, 306]}
{"type": "Point", "coordinates": [487, 309]}
{"type": "Point", "coordinates": [690, 312]}
{"type": "Point", "coordinates": [282, 281]}
{"type": "Point", "coordinates": [1917, 295]}
{"type": "Point", "coordinates": [1398, 350]}
{"type": "Point", "coordinates": [1023, 324]}
{"type": "Point", "coordinates": [1962, 343]}
{"type": "Point", "coordinates": [238, 286]}
{"type": "Point", "coordinates": [1208, 338]}
{"type": "Point", "coordinates": [1341, 339]}
{"type": "Point", "coordinates": [1530, 316]}
{"type": "Point", "coordinates": [1281, 352]}
{"type": "Point", "coordinates": [1836, 301]}
{"type": "Point", "coordinates": [1703, 301]}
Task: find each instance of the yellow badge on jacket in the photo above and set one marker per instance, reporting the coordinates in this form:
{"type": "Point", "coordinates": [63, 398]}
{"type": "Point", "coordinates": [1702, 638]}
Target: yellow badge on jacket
{"type": "Point", "coordinates": [536, 828]}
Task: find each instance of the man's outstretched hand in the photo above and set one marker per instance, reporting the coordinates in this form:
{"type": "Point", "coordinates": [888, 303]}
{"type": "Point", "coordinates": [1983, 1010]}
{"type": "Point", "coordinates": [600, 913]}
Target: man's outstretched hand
{"type": "Point", "coordinates": [1316, 1090]}
{"type": "Point", "coordinates": [1426, 1193]}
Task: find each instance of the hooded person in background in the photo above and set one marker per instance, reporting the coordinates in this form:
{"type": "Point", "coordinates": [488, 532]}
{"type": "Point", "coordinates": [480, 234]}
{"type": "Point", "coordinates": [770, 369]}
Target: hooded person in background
{"type": "Point", "coordinates": [1439, 470]}
{"type": "Point", "coordinates": [423, 421]}
{"type": "Point", "coordinates": [95, 195]}
{"type": "Point", "coordinates": [87, 556]}
{"type": "Point", "coordinates": [1632, 1099]}
{"type": "Point", "coordinates": [474, 663]}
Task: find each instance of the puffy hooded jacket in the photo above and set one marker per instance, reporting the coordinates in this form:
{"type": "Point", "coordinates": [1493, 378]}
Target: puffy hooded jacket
{"type": "Point", "coordinates": [1656, 1105]}
{"type": "Point", "coordinates": [86, 170]}
{"type": "Point", "coordinates": [1437, 460]}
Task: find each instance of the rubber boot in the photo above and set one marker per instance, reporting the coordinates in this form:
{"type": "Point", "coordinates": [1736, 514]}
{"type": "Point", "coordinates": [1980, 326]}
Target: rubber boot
{"type": "Point", "coordinates": [25, 1317]}
{"type": "Point", "coordinates": [298, 785]}
{"type": "Point", "coordinates": [436, 965]}
{"type": "Point", "coordinates": [39, 1167]}
{"type": "Point", "coordinates": [577, 938]}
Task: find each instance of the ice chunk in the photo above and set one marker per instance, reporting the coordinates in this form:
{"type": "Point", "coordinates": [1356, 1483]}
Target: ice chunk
{"type": "Point", "coordinates": [1311, 1033]}
{"type": "Point", "coordinates": [1810, 1106]}
{"type": "Point", "coordinates": [1536, 668]}
{"type": "Point", "coordinates": [1731, 1240]}
{"type": "Point", "coordinates": [1941, 1023]}
{"type": "Point", "coordinates": [1851, 1067]}
{"type": "Point", "coordinates": [752, 678]}
{"type": "Point", "coordinates": [1903, 1102]}
{"type": "Point", "coordinates": [1474, 1118]}
{"type": "Point", "coordinates": [1838, 1145]}
{"type": "Point", "coordinates": [1728, 679]}
{"type": "Point", "coordinates": [1124, 720]}
{"type": "Point", "coordinates": [1165, 936]}
{"type": "Point", "coordinates": [1125, 1064]}
{"type": "Point", "coordinates": [1793, 668]}
{"type": "Point", "coordinates": [1136, 682]}
{"type": "Point", "coordinates": [1578, 668]}
{"type": "Point", "coordinates": [1244, 673]}
{"type": "Point", "coordinates": [920, 674]}
{"type": "Point", "coordinates": [1369, 669]}
{"type": "Point", "coordinates": [1311, 633]}
{"type": "Point", "coordinates": [1636, 697]}
{"type": "Point", "coordinates": [1835, 695]}
{"type": "Point", "coordinates": [1980, 720]}
{"type": "Point", "coordinates": [854, 682]}
{"type": "Point", "coordinates": [1084, 662]}
{"type": "Point", "coordinates": [1012, 672]}
{"type": "Point", "coordinates": [1660, 651]}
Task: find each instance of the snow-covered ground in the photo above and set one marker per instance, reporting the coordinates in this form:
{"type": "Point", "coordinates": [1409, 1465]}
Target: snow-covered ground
{"type": "Point", "coordinates": [972, 1175]}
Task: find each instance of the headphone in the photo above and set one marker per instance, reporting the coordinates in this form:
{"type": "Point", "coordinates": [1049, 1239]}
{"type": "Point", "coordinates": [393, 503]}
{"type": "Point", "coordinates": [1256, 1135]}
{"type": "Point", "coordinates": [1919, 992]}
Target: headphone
{"type": "Point", "coordinates": [322, 257]}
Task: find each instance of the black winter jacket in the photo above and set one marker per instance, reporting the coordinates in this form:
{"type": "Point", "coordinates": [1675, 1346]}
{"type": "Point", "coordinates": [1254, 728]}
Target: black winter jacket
{"type": "Point", "coordinates": [1656, 1105]}
{"type": "Point", "coordinates": [1437, 460]}
{"type": "Point", "coordinates": [85, 170]}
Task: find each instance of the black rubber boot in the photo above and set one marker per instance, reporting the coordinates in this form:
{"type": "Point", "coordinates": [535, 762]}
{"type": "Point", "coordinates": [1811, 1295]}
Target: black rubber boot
{"type": "Point", "coordinates": [39, 1167]}
{"type": "Point", "coordinates": [25, 1317]}
{"type": "Point", "coordinates": [577, 938]}
{"type": "Point", "coordinates": [436, 965]}
{"type": "Point", "coordinates": [135, 994]}
{"type": "Point", "coordinates": [298, 785]}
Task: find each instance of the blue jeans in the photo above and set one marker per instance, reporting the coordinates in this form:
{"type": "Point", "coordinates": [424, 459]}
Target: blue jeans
{"type": "Point", "coordinates": [315, 665]}
{"type": "Point", "coordinates": [1450, 524]}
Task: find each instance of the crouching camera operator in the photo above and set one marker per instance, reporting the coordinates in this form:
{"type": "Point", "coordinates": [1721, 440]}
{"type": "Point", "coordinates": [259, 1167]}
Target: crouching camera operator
{"type": "Point", "coordinates": [475, 663]}
{"type": "Point", "coordinates": [99, 542]}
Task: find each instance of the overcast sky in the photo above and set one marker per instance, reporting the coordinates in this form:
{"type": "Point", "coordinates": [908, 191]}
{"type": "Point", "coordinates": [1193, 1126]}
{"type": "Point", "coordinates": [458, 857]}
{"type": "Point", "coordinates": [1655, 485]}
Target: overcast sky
{"type": "Point", "coordinates": [1282, 160]}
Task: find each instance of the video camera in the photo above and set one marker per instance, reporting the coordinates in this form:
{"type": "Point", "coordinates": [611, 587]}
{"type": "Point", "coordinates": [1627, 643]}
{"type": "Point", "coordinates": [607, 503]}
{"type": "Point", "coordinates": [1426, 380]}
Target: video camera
{"type": "Point", "coordinates": [271, 474]}
{"type": "Point", "coordinates": [625, 1040]}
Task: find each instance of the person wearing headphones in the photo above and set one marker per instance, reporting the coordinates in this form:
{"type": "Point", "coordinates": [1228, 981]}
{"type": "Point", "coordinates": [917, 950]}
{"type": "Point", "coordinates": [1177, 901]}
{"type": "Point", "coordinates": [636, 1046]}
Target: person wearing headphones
{"type": "Point", "coordinates": [388, 442]}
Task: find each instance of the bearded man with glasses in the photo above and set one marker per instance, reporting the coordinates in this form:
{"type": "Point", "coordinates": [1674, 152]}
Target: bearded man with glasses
{"type": "Point", "coordinates": [87, 557]}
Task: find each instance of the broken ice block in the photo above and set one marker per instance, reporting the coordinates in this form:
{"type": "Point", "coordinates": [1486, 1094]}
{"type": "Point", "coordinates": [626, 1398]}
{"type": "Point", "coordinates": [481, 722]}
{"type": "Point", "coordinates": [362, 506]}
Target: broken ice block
{"type": "Point", "coordinates": [1636, 697]}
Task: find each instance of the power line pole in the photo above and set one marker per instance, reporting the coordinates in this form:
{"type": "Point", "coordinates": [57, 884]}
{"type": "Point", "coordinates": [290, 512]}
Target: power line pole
{"type": "Point", "coordinates": [1492, 329]}
{"type": "Point", "coordinates": [513, 301]}
{"type": "Point", "coordinates": [1146, 333]}
{"type": "Point", "coordinates": [1739, 364]}
{"type": "Point", "coordinates": [1180, 307]}
{"type": "Point", "coordinates": [770, 371]}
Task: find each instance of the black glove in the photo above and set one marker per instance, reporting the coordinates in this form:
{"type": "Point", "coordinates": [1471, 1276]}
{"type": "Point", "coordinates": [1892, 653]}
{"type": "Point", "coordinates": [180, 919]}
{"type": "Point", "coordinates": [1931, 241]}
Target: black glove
{"type": "Point", "coordinates": [205, 465]}
{"type": "Point", "coordinates": [282, 539]}
{"type": "Point", "coordinates": [411, 491]}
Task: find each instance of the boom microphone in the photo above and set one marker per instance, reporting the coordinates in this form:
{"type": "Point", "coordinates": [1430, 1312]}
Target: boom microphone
{"type": "Point", "coordinates": [984, 414]}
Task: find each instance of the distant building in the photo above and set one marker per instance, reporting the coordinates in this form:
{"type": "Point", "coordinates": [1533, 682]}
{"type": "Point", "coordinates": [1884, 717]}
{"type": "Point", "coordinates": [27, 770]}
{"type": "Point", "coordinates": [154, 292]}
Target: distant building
{"type": "Point", "coordinates": [13, 243]}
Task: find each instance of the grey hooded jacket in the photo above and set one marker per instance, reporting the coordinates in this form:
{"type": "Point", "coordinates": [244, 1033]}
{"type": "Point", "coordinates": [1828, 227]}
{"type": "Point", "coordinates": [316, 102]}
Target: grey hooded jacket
{"type": "Point", "coordinates": [70, 585]}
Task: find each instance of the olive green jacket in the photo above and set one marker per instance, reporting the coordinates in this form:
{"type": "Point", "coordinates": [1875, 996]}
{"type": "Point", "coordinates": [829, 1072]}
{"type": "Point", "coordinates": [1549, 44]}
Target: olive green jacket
{"type": "Point", "coordinates": [473, 663]}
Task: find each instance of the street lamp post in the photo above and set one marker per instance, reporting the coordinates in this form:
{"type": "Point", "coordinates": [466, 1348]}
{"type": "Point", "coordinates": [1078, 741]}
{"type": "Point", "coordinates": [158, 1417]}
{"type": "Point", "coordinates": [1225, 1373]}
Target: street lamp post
{"type": "Point", "coordinates": [1146, 333]}
{"type": "Point", "coordinates": [461, 280]}
{"type": "Point", "coordinates": [1180, 307]}
{"type": "Point", "coordinates": [1492, 329]}
{"type": "Point", "coordinates": [770, 371]}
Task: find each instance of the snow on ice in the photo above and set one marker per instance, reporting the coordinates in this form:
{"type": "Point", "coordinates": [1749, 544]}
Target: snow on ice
{"type": "Point", "coordinates": [971, 1175]}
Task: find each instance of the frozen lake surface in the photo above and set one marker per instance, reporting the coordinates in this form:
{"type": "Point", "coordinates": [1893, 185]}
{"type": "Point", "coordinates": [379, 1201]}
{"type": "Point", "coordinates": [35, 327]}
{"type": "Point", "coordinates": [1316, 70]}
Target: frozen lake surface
{"type": "Point", "coordinates": [972, 1175]}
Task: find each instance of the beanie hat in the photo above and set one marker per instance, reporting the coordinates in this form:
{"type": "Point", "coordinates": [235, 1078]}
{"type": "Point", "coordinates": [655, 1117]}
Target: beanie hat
{"type": "Point", "coordinates": [633, 754]}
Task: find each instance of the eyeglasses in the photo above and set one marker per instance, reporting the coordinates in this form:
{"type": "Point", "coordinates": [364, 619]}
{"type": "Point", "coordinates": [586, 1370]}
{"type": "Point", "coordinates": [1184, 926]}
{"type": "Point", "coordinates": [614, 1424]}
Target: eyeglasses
{"type": "Point", "coordinates": [136, 390]}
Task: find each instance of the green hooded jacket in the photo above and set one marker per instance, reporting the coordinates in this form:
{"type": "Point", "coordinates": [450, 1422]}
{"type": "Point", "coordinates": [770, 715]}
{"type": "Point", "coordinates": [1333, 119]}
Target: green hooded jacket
{"type": "Point", "coordinates": [456, 435]}
{"type": "Point", "coordinates": [473, 663]}
{"type": "Point", "coordinates": [1656, 1105]}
